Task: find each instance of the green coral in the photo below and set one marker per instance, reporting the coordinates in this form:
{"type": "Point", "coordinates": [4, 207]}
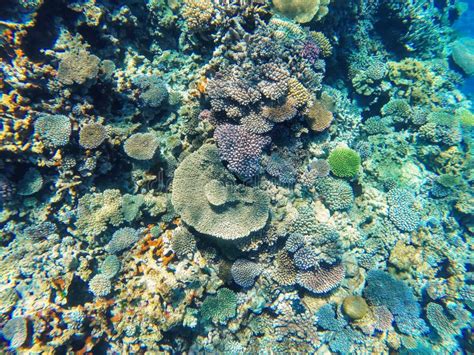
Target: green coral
{"type": "Point", "coordinates": [344, 162]}
{"type": "Point", "coordinates": [221, 307]}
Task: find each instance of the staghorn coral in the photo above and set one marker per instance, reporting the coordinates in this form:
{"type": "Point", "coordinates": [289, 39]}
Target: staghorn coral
{"type": "Point", "coordinates": [122, 239]}
{"type": "Point", "coordinates": [141, 146]}
{"type": "Point", "coordinates": [53, 130]}
{"type": "Point", "coordinates": [297, 93]}
{"type": "Point", "coordinates": [77, 67]}
{"type": "Point", "coordinates": [245, 212]}
{"type": "Point", "coordinates": [322, 42]}
{"type": "Point", "coordinates": [344, 162]}
{"type": "Point", "coordinates": [92, 135]}
{"type": "Point", "coordinates": [244, 272]}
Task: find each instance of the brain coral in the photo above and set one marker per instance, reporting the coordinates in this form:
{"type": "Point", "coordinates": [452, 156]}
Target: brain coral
{"type": "Point", "coordinates": [141, 146]}
{"type": "Point", "coordinates": [77, 67]}
{"type": "Point", "coordinates": [344, 162]}
{"type": "Point", "coordinates": [92, 135]}
{"type": "Point", "coordinates": [53, 130]}
{"type": "Point", "coordinates": [302, 11]}
{"type": "Point", "coordinates": [16, 332]}
{"type": "Point", "coordinates": [245, 211]}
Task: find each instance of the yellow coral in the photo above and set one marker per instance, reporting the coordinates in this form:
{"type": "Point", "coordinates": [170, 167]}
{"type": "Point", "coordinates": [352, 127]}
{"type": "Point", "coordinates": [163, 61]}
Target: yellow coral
{"type": "Point", "coordinates": [302, 11]}
{"type": "Point", "coordinates": [323, 43]}
{"type": "Point", "coordinates": [298, 93]}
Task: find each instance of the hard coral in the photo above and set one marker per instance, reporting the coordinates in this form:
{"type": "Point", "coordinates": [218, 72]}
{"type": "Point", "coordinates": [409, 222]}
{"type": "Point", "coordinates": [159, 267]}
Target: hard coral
{"type": "Point", "coordinates": [245, 211]}
{"type": "Point", "coordinates": [302, 11]}
{"type": "Point", "coordinates": [244, 272]}
{"type": "Point", "coordinates": [240, 149]}
{"type": "Point", "coordinates": [122, 239]}
{"type": "Point", "coordinates": [100, 285]}
{"type": "Point", "coordinates": [78, 67]}
{"type": "Point", "coordinates": [53, 130]}
{"type": "Point", "coordinates": [92, 135]}
{"type": "Point", "coordinates": [318, 117]}
{"type": "Point", "coordinates": [221, 307]}
{"type": "Point", "coordinates": [141, 146]}
{"type": "Point", "coordinates": [344, 162]}
{"type": "Point", "coordinates": [16, 332]}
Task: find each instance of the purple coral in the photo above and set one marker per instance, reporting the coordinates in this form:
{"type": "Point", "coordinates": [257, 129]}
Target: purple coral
{"type": "Point", "coordinates": [240, 149]}
{"type": "Point", "coordinates": [310, 51]}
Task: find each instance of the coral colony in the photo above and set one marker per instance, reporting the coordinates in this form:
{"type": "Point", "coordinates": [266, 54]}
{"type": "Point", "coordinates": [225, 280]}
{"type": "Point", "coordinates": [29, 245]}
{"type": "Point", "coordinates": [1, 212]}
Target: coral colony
{"type": "Point", "coordinates": [231, 177]}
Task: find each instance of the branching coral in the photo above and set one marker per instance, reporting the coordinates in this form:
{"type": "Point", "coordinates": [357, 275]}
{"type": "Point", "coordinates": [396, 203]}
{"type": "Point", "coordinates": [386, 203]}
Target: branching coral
{"type": "Point", "coordinates": [318, 117]}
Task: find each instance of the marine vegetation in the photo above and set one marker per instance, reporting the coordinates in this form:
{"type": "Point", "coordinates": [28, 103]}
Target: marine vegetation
{"type": "Point", "coordinates": [236, 177]}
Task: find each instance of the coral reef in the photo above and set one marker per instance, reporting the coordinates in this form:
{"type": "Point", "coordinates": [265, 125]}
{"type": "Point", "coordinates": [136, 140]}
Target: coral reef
{"type": "Point", "coordinates": [207, 177]}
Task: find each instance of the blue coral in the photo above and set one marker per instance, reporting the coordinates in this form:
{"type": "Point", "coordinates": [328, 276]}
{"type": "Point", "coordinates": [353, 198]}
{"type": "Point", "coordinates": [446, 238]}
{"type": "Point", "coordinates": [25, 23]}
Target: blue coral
{"type": "Point", "coordinates": [383, 289]}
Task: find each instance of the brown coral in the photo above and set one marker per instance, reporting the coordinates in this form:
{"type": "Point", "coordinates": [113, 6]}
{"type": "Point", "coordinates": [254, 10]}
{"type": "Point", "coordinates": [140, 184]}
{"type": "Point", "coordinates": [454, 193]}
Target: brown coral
{"type": "Point", "coordinates": [197, 14]}
{"type": "Point", "coordinates": [78, 67]}
{"type": "Point", "coordinates": [318, 117]}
